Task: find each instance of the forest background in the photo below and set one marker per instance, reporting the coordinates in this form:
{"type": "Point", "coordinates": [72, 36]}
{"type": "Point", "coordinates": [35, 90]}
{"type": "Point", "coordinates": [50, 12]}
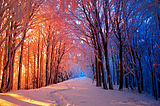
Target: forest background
{"type": "Point", "coordinates": [44, 42]}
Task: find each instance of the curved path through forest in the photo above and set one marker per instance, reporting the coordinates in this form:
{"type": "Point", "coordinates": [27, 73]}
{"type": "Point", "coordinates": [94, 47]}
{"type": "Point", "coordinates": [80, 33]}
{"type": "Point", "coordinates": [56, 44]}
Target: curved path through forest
{"type": "Point", "coordinates": [75, 92]}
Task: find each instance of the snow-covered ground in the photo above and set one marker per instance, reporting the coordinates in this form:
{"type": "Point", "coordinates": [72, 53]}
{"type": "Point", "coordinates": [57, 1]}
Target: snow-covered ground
{"type": "Point", "coordinates": [75, 92]}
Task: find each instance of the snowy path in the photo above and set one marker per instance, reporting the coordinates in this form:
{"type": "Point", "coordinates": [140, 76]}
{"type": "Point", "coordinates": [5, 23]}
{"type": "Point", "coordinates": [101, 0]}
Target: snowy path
{"type": "Point", "coordinates": [75, 92]}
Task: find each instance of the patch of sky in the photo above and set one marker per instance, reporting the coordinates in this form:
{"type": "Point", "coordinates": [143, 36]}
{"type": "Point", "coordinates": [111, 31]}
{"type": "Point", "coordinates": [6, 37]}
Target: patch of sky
{"type": "Point", "coordinates": [147, 21]}
{"type": "Point", "coordinates": [78, 22]}
{"type": "Point", "coordinates": [82, 41]}
{"type": "Point", "coordinates": [79, 54]}
{"type": "Point", "coordinates": [137, 31]}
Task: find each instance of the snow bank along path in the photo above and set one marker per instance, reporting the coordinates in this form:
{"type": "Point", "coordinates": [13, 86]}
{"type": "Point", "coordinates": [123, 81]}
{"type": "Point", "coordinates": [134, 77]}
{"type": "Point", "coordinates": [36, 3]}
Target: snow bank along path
{"type": "Point", "coordinates": [75, 92]}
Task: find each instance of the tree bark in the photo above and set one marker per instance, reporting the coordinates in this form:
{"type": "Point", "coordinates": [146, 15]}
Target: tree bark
{"type": "Point", "coordinates": [98, 83]}
{"type": "Point", "coordinates": [41, 67]}
{"type": "Point", "coordinates": [38, 62]}
{"type": "Point", "coordinates": [12, 56]}
{"type": "Point", "coordinates": [5, 67]}
{"type": "Point", "coordinates": [47, 66]}
{"type": "Point", "coordinates": [140, 67]}
{"type": "Point", "coordinates": [20, 63]}
{"type": "Point", "coordinates": [120, 62]}
{"type": "Point", "coordinates": [34, 76]}
{"type": "Point", "coordinates": [51, 66]}
{"type": "Point", "coordinates": [105, 45]}
{"type": "Point", "coordinates": [120, 55]}
{"type": "Point", "coordinates": [20, 68]}
{"type": "Point", "coordinates": [27, 79]}
{"type": "Point", "coordinates": [130, 81]}
{"type": "Point", "coordinates": [11, 71]}
{"type": "Point", "coordinates": [100, 64]}
{"type": "Point", "coordinates": [137, 77]}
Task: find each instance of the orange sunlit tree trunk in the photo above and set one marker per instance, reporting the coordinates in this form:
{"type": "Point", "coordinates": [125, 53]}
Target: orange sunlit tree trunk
{"type": "Point", "coordinates": [38, 57]}
{"type": "Point", "coordinates": [20, 63]}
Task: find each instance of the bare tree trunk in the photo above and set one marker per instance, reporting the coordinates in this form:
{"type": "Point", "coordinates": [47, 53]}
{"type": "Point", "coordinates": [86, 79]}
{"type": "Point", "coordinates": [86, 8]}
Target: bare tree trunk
{"type": "Point", "coordinates": [28, 67]}
{"type": "Point", "coordinates": [51, 66]}
{"type": "Point", "coordinates": [155, 85]}
{"type": "Point", "coordinates": [97, 73]}
{"type": "Point", "coordinates": [5, 68]}
{"type": "Point", "coordinates": [120, 57]}
{"type": "Point", "coordinates": [100, 52]}
{"type": "Point", "coordinates": [20, 63]}
{"type": "Point", "coordinates": [105, 45]}
{"type": "Point", "coordinates": [58, 52]}
{"type": "Point", "coordinates": [41, 69]}
{"type": "Point", "coordinates": [47, 64]}
{"type": "Point", "coordinates": [48, 55]}
{"type": "Point", "coordinates": [130, 82]}
{"type": "Point", "coordinates": [12, 55]}
{"type": "Point", "coordinates": [120, 62]}
{"type": "Point", "coordinates": [1, 58]}
{"type": "Point", "coordinates": [101, 64]}
{"type": "Point", "coordinates": [108, 68]}
{"type": "Point", "coordinates": [103, 75]}
{"type": "Point", "coordinates": [11, 71]}
{"type": "Point", "coordinates": [133, 76]}
{"type": "Point", "coordinates": [56, 74]}
{"type": "Point", "coordinates": [140, 67]}
{"type": "Point", "coordinates": [34, 76]}
{"type": "Point", "coordinates": [20, 68]}
{"type": "Point", "coordinates": [27, 73]}
{"type": "Point", "coordinates": [38, 63]}
{"type": "Point", "coordinates": [137, 77]}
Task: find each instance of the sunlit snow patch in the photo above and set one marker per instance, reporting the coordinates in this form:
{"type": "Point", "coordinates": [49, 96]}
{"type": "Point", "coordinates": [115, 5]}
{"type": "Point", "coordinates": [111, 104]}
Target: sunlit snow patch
{"type": "Point", "coordinates": [7, 103]}
{"type": "Point", "coordinates": [26, 99]}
